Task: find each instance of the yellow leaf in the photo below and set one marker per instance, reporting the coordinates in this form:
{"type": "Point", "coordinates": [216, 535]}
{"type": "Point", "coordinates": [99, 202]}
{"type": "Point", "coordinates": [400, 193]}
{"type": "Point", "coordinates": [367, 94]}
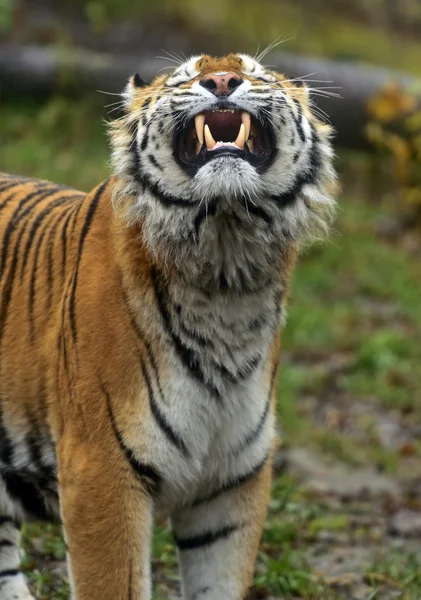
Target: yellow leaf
{"type": "Point", "coordinates": [390, 103]}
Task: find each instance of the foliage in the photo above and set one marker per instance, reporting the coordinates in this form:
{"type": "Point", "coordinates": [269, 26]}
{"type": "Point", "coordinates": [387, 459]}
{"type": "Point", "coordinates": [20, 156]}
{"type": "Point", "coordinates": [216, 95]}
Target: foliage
{"type": "Point", "coordinates": [6, 7]}
{"type": "Point", "coordinates": [101, 13]}
{"type": "Point", "coordinates": [395, 130]}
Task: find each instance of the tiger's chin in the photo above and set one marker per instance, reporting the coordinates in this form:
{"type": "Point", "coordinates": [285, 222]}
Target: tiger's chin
{"type": "Point", "coordinates": [225, 177]}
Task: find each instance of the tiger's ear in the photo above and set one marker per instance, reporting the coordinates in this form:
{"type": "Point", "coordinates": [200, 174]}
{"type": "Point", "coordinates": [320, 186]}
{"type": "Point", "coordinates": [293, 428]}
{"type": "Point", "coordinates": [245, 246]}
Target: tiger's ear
{"type": "Point", "coordinates": [138, 81]}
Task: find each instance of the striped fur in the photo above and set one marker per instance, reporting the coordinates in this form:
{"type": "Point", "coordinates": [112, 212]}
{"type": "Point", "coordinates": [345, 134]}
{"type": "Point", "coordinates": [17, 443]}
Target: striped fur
{"type": "Point", "coordinates": [140, 338]}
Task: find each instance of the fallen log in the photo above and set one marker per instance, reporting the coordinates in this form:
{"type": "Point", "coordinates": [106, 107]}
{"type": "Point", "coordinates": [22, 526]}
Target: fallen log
{"type": "Point", "coordinates": [35, 70]}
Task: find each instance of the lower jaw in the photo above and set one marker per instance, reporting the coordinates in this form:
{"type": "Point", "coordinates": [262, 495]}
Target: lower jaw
{"type": "Point", "coordinates": [207, 156]}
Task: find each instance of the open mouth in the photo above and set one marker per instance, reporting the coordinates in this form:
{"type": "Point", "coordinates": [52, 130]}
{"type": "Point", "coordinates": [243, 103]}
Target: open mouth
{"type": "Point", "coordinates": [224, 132]}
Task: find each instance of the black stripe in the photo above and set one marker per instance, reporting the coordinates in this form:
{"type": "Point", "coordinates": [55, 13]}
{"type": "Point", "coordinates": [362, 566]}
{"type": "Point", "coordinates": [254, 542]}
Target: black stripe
{"type": "Point", "coordinates": [254, 433]}
{"type": "Point", "coordinates": [174, 438]}
{"type": "Point", "coordinates": [16, 181]}
{"type": "Point", "coordinates": [7, 544]}
{"type": "Point", "coordinates": [61, 341]}
{"type": "Point", "coordinates": [142, 470]}
{"type": "Point", "coordinates": [85, 229]}
{"type": "Point", "coordinates": [205, 539]}
{"type": "Point", "coordinates": [299, 120]}
{"type": "Point", "coordinates": [142, 338]}
{"type": "Point", "coordinates": [160, 418]}
{"type": "Point", "coordinates": [37, 222]}
{"type": "Point", "coordinates": [145, 124]}
{"type": "Point", "coordinates": [233, 483]}
{"type": "Point", "coordinates": [28, 494]}
{"type": "Point", "coordinates": [188, 357]}
{"type": "Point", "coordinates": [7, 521]}
{"type": "Point", "coordinates": [176, 85]}
{"type": "Point", "coordinates": [33, 446]}
{"type": "Point", "coordinates": [66, 212]}
{"type": "Point", "coordinates": [145, 107]}
{"type": "Point", "coordinates": [198, 337]}
{"type": "Point", "coordinates": [243, 372]}
{"type": "Point", "coordinates": [144, 180]}
{"type": "Point", "coordinates": [34, 181]}
{"type": "Point", "coordinates": [34, 441]}
{"type": "Point", "coordinates": [73, 214]}
{"type": "Point", "coordinates": [9, 573]}
{"type": "Point", "coordinates": [8, 286]}
{"type": "Point", "coordinates": [32, 284]}
{"type": "Point", "coordinates": [307, 178]}
{"type": "Point", "coordinates": [154, 162]}
{"type": "Point", "coordinates": [39, 195]}
{"type": "Point", "coordinates": [7, 185]}
{"type": "Point", "coordinates": [207, 210]}
{"type": "Point", "coordinates": [133, 148]}
{"type": "Point", "coordinates": [145, 140]}
{"type": "Point", "coordinates": [164, 199]}
{"type": "Point", "coordinates": [5, 201]}
{"type": "Point", "coordinates": [256, 210]}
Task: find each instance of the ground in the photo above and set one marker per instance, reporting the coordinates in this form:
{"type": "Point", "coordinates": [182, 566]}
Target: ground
{"type": "Point", "coordinates": [345, 515]}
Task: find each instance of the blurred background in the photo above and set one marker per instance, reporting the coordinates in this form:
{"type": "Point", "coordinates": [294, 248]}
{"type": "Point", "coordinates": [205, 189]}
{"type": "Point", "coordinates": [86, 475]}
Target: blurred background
{"type": "Point", "coordinates": [345, 516]}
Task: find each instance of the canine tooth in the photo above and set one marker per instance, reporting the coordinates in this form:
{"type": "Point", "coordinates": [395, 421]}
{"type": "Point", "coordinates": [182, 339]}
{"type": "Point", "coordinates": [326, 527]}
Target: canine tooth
{"type": "Point", "coordinates": [241, 137]}
{"type": "Point", "coordinates": [199, 123]}
{"type": "Point", "coordinates": [245, 119]}
{"type": "Point", "coordinates": [250, 144]}
{"type": "Point", "coordinates": [210, 142]}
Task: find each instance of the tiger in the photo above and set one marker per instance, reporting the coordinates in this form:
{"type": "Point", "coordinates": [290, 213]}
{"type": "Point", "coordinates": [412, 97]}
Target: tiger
{"type": "Point", "coordinates": [140, 329]}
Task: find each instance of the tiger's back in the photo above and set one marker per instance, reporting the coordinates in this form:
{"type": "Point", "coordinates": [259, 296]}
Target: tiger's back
{"type": "Point", "coordinates": [36, 220]}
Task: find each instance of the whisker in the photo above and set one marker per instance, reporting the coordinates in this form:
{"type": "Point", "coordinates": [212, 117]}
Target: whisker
{"type": "Point", "coordinates": [107, 93]}
{"type": "Point", "coordinates": [165, 68]}
{"type": "Point", "coordinates": [171, 57]}
{"type": "Point", "coordinates": [277, 42]}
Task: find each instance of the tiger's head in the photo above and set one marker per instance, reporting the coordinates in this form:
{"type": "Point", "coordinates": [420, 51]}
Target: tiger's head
{"type": "Point", "coordinates": [225, 164]}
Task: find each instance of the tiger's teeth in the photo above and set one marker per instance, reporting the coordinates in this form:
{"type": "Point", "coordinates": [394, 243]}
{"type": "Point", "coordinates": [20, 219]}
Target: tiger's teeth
{"type": "Point", "coordinates": [245, 118]}
{"type": "Point", "coordinates": [250, 144]}
{"type": "Point", "coordinates": [199, 123]}
{"type": "Point", "coordinates": [241, 137]}
{"type": "Point", "coordinates": [210, 142]}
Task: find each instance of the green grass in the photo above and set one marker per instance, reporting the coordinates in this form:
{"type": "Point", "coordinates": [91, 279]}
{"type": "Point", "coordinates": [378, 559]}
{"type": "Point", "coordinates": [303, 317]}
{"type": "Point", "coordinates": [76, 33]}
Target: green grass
{"type": "Point", "coordinates": [401, 570]}
{"type": "Point", "coordinates": [355, 302]}
{"type": "Point", "coordinates": [60, 140]}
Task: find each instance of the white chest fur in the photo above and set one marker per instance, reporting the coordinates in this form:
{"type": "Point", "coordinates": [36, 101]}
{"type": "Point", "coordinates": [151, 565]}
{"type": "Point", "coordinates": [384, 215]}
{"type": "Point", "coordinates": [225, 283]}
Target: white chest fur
{"type": "Point", "coordinates": [215, 395]}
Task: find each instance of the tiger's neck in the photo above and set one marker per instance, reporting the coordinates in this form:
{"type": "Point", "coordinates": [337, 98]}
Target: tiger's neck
{"type": "Point", "coordinates": [229, 331]}
{"type": "Point", "coordinates": [223, 325]}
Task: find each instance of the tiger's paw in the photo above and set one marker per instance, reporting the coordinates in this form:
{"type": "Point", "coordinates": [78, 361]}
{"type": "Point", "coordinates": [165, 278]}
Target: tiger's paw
{"type": "Point", "coordinates": [13, 586]}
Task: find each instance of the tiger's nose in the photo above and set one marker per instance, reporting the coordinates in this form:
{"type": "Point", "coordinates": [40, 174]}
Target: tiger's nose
{"type": "Point", "coordinates": [221, 85]}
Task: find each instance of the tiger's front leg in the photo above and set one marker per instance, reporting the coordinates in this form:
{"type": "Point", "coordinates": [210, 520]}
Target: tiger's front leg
{"type": "Point", "coordinates": [107, 517]}
{"type": "Point", "coordinates": [218, 539]}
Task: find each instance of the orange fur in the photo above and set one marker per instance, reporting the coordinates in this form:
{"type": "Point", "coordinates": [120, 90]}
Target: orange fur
{"type": "Point", "coordinates": [76, 283]}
